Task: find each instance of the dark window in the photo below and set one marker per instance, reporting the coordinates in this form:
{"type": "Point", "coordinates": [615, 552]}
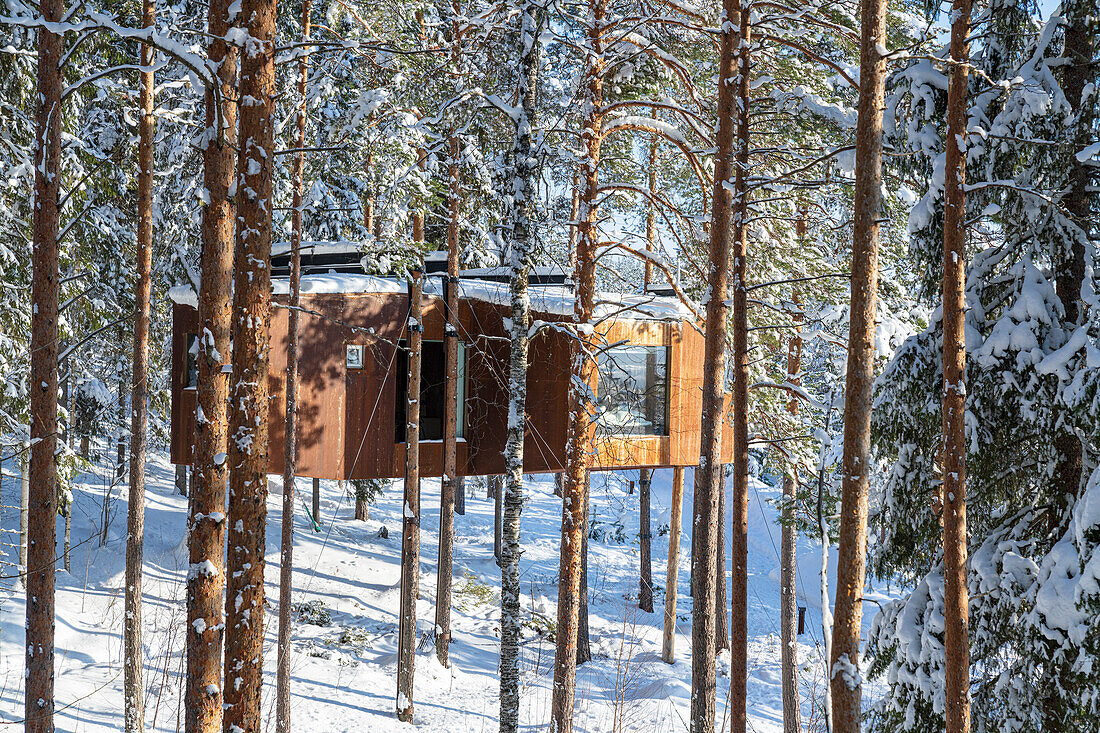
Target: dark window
{"type": "Point", "coordinates": [433, 372]}
{"type": "Point", "coordinates": [632, 393]}
{"type": "Point", "coordinates": [191, 375]}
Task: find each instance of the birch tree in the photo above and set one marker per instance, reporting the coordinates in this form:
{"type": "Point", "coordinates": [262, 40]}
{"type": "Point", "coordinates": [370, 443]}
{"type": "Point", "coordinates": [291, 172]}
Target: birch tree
{"type": "Point", "coordinates": [521, 244]}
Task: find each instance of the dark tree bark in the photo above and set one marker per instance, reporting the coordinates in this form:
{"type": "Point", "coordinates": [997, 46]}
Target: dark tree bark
{"type": "Point", "coordinates": [953, 453]}
{"type": "Point", "coordinates": [708, 476]}
{"type": "Point", "coordinates": [207, 501]}
{"type": "Point", "coordinates": [248, 424]}
{"type": "Point", "coordinates": [788, 598]}
{"type": "Point", "coordinates": [290, 445]}
{"type": "Point", "coordinates": [42, 511]}
{"type": "Point", "coordinates": [721, 609]}
{"type": "Point", "coordinates": [645, 581]}
{"type": "Point", "coordinates": [584, 641]}
{"type": "Point", "coordinates": [852, 549]}
{"type": "Point", "coordinates": [133, 655]}
{"type": "Point", "coordinates": [525, 160]}
{"type": "Point", "coordinates": [410, 525]}
{"type": "Point", "coordinates": [583, 369]}
{"type": "Point", "coordinates": [668, 643]}
{"type": "Point", "coordinates": [445, 564]}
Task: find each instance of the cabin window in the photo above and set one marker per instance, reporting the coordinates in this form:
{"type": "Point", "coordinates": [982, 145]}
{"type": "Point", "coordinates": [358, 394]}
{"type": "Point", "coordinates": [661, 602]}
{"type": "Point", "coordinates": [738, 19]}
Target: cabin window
{"type": "Point", "coordinates": [433, 372]}
{"type": "Point", "coordinates": [191, 368]}
{"type": "Point", "coordinates": [632, 392]}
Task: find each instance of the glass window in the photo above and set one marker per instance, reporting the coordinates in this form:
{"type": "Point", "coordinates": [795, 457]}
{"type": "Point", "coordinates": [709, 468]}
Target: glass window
{"type": "Point", "coordinates": [191, 375]}
{"type": "Point", "coordinates": [632, 394]}
{"type": "Point", "coordinates": [433, 376]}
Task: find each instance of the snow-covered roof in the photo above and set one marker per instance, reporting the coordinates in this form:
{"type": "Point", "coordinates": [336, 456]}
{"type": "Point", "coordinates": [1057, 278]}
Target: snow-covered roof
{"type": "Point", "coordinates": [552, 300]}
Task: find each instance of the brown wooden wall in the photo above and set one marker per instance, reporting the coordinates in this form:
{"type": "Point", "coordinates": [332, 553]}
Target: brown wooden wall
{"type": "Point", "coordinates": [347, 416]}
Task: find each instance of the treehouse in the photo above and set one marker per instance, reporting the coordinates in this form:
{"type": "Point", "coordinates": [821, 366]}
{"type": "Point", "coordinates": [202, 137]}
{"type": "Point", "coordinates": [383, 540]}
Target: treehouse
{"type": "Point", "coordinates": [353, 374]}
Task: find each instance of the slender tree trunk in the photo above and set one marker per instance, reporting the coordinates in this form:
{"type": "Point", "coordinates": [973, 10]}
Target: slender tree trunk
{"type": "Point", "coordinates": [525, 160]}
{"type": "Point", "coordinates": [42, 512]}
{"type": "Point", "coordinates": [584, 645]}
{"type": "Point", "coordinates": [823, 572]}
{"type": "Point", "coordinates": [290, 444]}
{"type": "Point", "coordinates": [651, 211]}
{"type": "Point", "coordinates": [721, 607]}
{"type": "Point", "coordinates": [445, 564]}
{"type": "Point", "coordinates": [497, 484]}
{"type": "Point", "coordinates": [581, 412]}
{"type": "Point", "coordinates": [368, 205]}
{"type": "Point", "coordinates": [788, 598]}
{"type": "Point", "coordinates": [68, 532]}
{"type": "Point", "coordinates": [24, 516]}
{"type": "Point", "coordinates": [317, 502]}
{"type": "Point", "coordinates": [410, 528]}
{"type": "Point", "coordinates": [668, 643]}
{"type": "Point", "coordinates": [645, 582]}
{"type": "Point", "coordinates": [739, 521]}
{"type": "Point", "coordinates": [248, 422]}
{"type": "Point", "coordinates": [708, 476]}
{"type": "Point", "coordinates": [851, 561]}
{"type": "Point", "coordinates": [953, 452]}
{"type": "Point", "coordinates": [133, 655]}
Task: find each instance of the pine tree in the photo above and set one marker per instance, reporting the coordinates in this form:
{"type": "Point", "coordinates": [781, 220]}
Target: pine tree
{"type": "Point", "coordinates": [207, 500]}
{"type": "Point", "coordinates": [844, 663]}
{"type": "Point", "coordinates": [248, 421]}
{"type": "Point", "coordinates": [134, 657]}
{"type": "Point", "coordinates": [42, 523]}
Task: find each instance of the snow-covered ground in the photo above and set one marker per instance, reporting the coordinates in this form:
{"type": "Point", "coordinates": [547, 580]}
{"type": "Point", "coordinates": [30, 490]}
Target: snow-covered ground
{"type": "Point", "coordinates": [344, 672]}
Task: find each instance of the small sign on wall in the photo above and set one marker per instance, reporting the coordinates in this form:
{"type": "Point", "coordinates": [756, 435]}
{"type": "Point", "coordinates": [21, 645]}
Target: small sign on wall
{"type": "Point", "coordinates": [355, 356]}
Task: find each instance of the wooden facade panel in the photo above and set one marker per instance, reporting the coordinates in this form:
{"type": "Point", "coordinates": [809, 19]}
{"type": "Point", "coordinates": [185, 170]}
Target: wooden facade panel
{"type": "Point", "coordinates": [347, 417]}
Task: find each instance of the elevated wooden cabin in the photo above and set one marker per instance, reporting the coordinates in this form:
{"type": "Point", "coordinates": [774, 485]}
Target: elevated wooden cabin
{"type": "Point", "coordinates": [353, 373]}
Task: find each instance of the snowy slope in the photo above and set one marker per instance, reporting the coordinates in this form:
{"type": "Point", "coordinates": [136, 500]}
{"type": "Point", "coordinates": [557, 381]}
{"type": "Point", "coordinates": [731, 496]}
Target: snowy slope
{"type": "Point", "coordinates": [344, 671]}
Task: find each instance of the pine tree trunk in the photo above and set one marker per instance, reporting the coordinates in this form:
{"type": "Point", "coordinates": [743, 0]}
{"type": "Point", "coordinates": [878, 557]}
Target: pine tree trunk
{"type": "Point", "coordinates": [24, 516]}
{"type": "Point", "coordinates": [248, 422]}
{"type": "Point", "coordinates": [788, 597]}
{"type": "Point", "coordinates": [42, 513]}
{"type": "Point", "coordinates": [290, 443]}
{"type": "Point", "coordinates": [520, 221]}
{"type": "Point", "coordinates": [823, 572]}
{"type": "Point", "coordinates": [708, 476]}
{"type": "Point", "coordinates": [317, 502]}
{"type": "Point", "coordinates": [645, 582]}
{"type": "Point", "coordinates": [583, 369]}
{"type": "Point", "coordinates": [584, 645]}
{"type": "Point", "coordinates": [68, 533]}
{"type": "Point", "coordinates": [445, 564]}
{"type": "Point", "coordinates": [721, 603]}
{"type": "Point", "coordinates": [851, 559]}
{"type": "Point", "coordinates": [133, 655]}
{"type": "Point", "coordinates": [739, 520]}
{"type": "Point", "coordinates": [668, 642]}
{"type": "Point", "coordinates": [410, 527]}
{"type": "Point", "coordinates": [953, 455]}
{"type": "Point", "coordinates": [207, 500]}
